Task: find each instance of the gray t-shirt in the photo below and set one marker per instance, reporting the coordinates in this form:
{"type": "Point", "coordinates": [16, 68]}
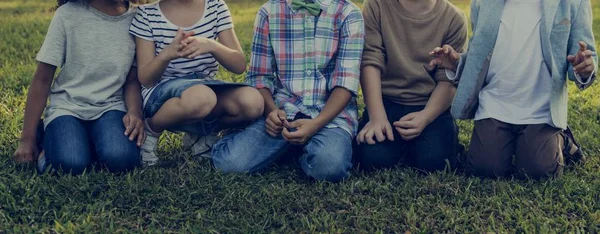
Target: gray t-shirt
{"type": "Point", "coordinates": [95, 52]}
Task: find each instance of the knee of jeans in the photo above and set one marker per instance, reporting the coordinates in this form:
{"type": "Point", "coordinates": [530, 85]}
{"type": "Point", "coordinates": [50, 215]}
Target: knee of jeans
{"type": "Point", "coordinates": [328, 164]}
{"type": "Point", "coordinates": [119, 159]}
{"type": "Point", "coordinates": [374, 156]}
{"type": "Point", "coordinates": [230, 158]}
{"type": "Point", "coordinates": [488, 168]}
{"type": "Point", "coordinates": [70, 165]}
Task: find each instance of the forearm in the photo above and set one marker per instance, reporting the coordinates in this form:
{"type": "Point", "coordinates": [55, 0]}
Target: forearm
{"type": "Point", "coordinates": [230, 59]}
{"type": "Point", "coordinates": [269, 102]}
{"type": "Point", "coordinates": [133, 96]}
{"type": "Point", "coordinates": [34, 107]}
{"type": "Point", "coordinates": [151, 73]}
{"type": "Point", "coordinates": [338, 100]}
{"type": "Point", "coordinates": [440, 100]}
{"type": "Point", "coordinates": [370, 81]}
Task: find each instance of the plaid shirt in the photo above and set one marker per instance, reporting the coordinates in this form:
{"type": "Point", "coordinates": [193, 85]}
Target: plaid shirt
{"type": "Point", "coordinates": [301, 58]}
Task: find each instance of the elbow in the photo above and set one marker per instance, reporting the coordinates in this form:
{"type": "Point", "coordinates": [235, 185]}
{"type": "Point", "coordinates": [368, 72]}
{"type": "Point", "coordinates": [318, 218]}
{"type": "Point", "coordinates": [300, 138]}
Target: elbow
{"type": "Point", "coordinates": [239, 68]}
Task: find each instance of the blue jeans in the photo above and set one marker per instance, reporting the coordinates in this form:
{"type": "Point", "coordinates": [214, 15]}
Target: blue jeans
{"type": "Point", "coordinates": [72, 144]}
{"type": "Point", "coordinates": [327, 156]}
{"type": "Point", "coordinates": [437, 143]}
{"type": "Point", "coordinates": [174, 89]}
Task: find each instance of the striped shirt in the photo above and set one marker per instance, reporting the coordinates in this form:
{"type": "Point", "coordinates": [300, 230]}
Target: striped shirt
{"type": "Point", "coordinates": [301, 58]}
{"type": "Point", "coordinates": [151, 24]}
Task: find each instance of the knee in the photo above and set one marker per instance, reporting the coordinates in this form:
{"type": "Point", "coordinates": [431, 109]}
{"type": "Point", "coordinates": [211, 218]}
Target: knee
{"type": "Point", "coordinates": [230, 158]}
{"type": "Point", "coordinates": [199, 104]}
{"type": "Point", "coordinates": [70, 165]}
{"type": "Point", "coordinates": [372, 157]}
{"type": "Point", "coordinates": [487, 168]}
{"type": "Point", "coordinates": [119, 159]}
{"type": "Point", "coordinates": [329, 164]}
{"type": "Point", "coordinates": [540, 170]}
{"type": "Point", "coordinates": [250, 104]}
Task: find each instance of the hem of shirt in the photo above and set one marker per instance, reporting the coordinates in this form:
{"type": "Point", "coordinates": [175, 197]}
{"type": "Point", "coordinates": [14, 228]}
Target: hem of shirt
{"type": "Point", "coordinates": [407, 103]}
{"type": "Point", "coordinates": [349, 131]}
{"type": "Point", "coordinates": [58, 112]}
{"type": "Point", "coordinates": [516, 122]}
{"type": "Point", "coordinates": [48, 60]}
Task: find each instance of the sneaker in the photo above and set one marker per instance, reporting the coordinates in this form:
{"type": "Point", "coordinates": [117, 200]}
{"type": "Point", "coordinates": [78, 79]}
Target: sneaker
{"type": "Point", "coordinates": [42, 164]}
{"type": "Point", "coordinates": [148, 149]}
{"type": "Point", "coordinates": [200, 145]}
{"type": "Point", "coordinates": [572, 150]}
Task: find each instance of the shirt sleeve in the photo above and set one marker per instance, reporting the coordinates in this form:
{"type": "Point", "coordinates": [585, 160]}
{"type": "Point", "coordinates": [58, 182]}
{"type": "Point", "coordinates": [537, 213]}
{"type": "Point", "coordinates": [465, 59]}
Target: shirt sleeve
{"type": "Point", "coordinates": [457, 38]}
{"type": "Point", "coordinates": [350, 48]}
{"type": "Point", "coordinates": [261, 72]}
{"type": "Point", "coordinates": [140, 26]}
{"type": "Point", "coordinates": [581, 30]}
{"type": "Point", "coordinates": [374, 49]}
{"type": "Point", "coordinates": [53, 50]}
{"type": "Point", "coordinates": [224, 21]}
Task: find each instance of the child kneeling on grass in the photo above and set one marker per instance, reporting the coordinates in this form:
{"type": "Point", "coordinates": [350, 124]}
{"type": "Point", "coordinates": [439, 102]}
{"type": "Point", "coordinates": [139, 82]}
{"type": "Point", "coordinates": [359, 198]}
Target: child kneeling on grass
{"type": "Point", "coordinates": [305, 62]}
{"type": "Point", "coordinates": [94, 111]}
{"type": "Point", "coordinates": [178, 58]}
{"type": "Point", "coordinates": [512, 82]}
{"type": "Point", "coordinates": [402, 91]}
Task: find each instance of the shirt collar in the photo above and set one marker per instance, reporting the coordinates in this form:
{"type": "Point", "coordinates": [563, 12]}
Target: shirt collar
{"type": "Point", "coordinates": [323, 3]}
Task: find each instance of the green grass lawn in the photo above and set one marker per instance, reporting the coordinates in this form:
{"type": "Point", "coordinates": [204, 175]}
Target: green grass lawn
{"type": "Point", "coordinates": [190, 196]}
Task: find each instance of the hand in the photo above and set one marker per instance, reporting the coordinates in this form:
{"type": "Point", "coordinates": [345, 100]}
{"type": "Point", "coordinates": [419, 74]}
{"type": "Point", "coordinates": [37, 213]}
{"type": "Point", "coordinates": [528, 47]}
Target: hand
{"type": "Point", "coordinates": [412, 125]}
{"type": "Point", "coordinates": [380, 129]}
{"type": "Point", "coordinates": [305, 129]}
{"type": "Point", "coordinates": [134, 128]}
{"type": "Point", "coordinates": [445, 57]}
{"type": "Point", "coordinates": [173, 49]}
{"type": "Point", "coordinates": [196, 46]}
{"type": "Point", "coordinates": [582, 62]}
{"type": "Point", "coordinates": [26, 152]}
{"type": "Point", "coordinates": [275, 122]}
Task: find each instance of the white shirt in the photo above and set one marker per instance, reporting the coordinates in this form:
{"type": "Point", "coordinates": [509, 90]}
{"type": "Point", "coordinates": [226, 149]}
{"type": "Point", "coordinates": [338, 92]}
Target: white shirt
{"type": "Point", "coordinates": [518, 84]}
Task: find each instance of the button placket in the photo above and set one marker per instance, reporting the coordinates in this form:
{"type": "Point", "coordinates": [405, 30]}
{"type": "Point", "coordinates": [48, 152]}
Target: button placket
{"type": "Point", "coordinates": [309, 31]}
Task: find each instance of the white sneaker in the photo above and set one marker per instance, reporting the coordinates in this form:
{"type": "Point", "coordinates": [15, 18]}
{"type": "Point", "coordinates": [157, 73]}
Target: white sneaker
{"type": "Point", "coordinates": [148, 149]}
{"type": "Point", "coordinates": [201, 146]}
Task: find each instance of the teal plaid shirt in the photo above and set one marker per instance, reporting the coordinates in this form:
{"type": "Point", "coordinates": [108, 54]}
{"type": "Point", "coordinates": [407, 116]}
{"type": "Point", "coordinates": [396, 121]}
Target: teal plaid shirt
{"type": "Point", "coordinates": [301, 58]}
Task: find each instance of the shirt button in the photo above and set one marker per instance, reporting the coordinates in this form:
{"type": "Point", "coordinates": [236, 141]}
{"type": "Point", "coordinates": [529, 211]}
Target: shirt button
{"type": "Point", "coordinates": [309, 72]}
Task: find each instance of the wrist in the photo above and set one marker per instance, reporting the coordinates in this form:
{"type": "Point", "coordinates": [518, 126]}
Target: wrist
{"type": "Point", "coordinates": [428, 116]}
{"type": "Point", "coordinates": [135, 112]}
{"type": "Point", "coordinates": [164, 57]}
{"type": "Point", "coordinates": [28, 138]}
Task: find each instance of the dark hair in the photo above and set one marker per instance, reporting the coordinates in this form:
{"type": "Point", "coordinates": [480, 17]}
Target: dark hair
{"type": "Point", "coordinates": [63, 2]}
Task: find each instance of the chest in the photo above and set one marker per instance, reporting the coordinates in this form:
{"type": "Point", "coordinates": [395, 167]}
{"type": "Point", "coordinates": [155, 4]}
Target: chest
{"type": "Point", "coordinates": [301, 36]}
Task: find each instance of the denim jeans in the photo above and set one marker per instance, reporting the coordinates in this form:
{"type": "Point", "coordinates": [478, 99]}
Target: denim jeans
{"type": "Point", "coordinates": [327, 156]}
{"type": "Point", "coordinates": [72, 144]}
{"type": "Point", "coordinates": [437, 143]}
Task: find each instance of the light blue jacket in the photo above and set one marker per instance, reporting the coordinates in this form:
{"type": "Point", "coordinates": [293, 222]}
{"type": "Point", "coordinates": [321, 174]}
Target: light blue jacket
{"type": "Point", "coordinates": [564, 24]}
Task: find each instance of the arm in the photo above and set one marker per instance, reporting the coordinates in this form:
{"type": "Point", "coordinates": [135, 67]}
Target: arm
{"type": "Point", "coordinates": [373, 64]}
{"type": "Point", "coordinates": [133, 100]}
{"type": "Point", "coordinates": [581, 31]}
{"type": "Point", "coordinates": [37, 97]}
{"type": "Point", "coordinates": [150, 66]}
{"type": "Point", "coordinates": [229, 52]}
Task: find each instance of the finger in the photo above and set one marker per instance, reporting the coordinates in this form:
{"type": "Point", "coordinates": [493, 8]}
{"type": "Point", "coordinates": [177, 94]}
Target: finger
{"type": "Point", "coordinates": [582, 46]}
{"type": "Point", "coordinates": [134, 134]}
{"type": "Point", "coordinates": [187, 51]}
{"type": "Point", "coordinates": [404, 124]}
{"type": "Point", "coordinates": [360, 138]}
{"type": "Point", "coordinates": [285, 134]}
{"type": "Point", "coordinates": [195, 54]}
{"type": "Point", "coordinates": [281, 115]}
{"type": "Point", "coordinates": [179, 35]}
{"type": "Point", "coordinates": [379, 135]}
{"type": "Point", "coordinates": [408, 138]}
{"type": "Point", "coordinates": [126, 123]}
{"type": "Point", "coordinates": [389, 132]}
{"type": "Point", "coordinates": [129, 128]}
{"type": "Point", "coordinates": [271, 133]}
{"type": "Point", "coordinates": [408, 132]}
{"type": "Point", "coordinates": [295, 124]}
{"type": "Point", "coordinates": [276, 121]}
{"type": "Point", "coordinates": [435, 62]}
{"type": "Point", "coordinates": [435, 51]}
{"type": "Point", "coordinates": [571, 59]}
{"type": "Point", "coordinates": [141, 138]}
{"type": "Point", "coordinates": [581, 66]}
{"type": "Point", "coordinates": [448, 49]}
{"type": "Point", "coordinates": [369, 137]}
{"type": "Point", "coordinates": [408, 117]}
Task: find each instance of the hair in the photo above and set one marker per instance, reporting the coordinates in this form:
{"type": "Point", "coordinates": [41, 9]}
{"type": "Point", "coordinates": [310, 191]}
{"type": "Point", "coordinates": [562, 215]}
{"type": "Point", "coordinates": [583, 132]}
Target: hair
{"type": "Point", "coordinates": [63, 2]}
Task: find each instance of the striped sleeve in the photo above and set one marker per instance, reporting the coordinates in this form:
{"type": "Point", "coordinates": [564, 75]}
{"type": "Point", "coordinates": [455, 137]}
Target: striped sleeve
{"type": "Point", "coordinates": [140, 26]}
{"type": "Point", "coordinates": [224, 20]}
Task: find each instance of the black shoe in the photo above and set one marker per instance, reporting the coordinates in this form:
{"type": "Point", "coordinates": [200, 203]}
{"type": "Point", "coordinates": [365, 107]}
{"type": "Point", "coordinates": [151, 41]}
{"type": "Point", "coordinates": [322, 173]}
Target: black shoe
{"type": "Point", "coordinates": [572, 150]}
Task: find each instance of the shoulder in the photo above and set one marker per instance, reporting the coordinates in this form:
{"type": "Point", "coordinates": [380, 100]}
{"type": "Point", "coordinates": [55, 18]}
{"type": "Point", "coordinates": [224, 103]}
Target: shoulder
{"type": "Point", "coordinates": [455, 14]}
{"type": "Point", "coordinates": [346, 10]}
{"type": "Point", "coordinates": [270, 7]}
{"type": "Point", "coordinates": [69, 9]}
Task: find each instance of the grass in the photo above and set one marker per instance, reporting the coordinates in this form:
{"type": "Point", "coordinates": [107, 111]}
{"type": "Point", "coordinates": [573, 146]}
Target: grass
{"type": "Point", "coordinates": [190, 196]}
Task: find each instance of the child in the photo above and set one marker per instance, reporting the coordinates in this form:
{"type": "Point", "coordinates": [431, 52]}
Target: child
{"type": "Point", "coordinates": [400, 90]}
{"type": "Point", "coordinates": [512, 81]}
{"type": "Point", "coordinates": [94, 111]}
{"type": "Point", "coordinates": [305, 60]}
{"type": "Point", "coordinates": [178, 57]}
